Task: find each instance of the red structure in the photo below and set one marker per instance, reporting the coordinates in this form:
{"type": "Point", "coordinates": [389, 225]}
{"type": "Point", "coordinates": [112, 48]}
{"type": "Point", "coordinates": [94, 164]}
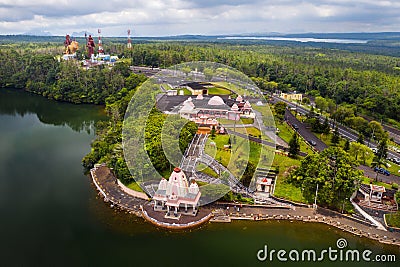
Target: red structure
{"type": "Point", "coordinates": [100, 51]}
{"type": "Point", "coordinates": [90, 45]}
{"type": "Point", "coordinates": [67, 41]}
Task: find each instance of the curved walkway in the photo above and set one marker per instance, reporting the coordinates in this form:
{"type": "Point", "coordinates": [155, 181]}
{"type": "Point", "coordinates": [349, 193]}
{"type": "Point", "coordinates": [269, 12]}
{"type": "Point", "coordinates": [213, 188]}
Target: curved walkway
{"type": "Point", "coordinates": [106, 183]}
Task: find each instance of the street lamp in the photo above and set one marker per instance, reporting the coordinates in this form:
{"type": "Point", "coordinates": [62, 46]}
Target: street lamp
{"type": "Point", "coordinates": [315, 200]}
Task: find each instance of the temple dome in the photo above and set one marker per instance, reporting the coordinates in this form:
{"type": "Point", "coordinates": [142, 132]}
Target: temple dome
{"type": "Point", "coordinates": [193, 188]}
{"type": "Point", "coordinates": [247, 104]}
{"type": "Point", "coordinates": [235, 107]}
{"type": "Point", "coordinates": [216, 101]}
{"type": "Point", "coordinates": [177, 183]}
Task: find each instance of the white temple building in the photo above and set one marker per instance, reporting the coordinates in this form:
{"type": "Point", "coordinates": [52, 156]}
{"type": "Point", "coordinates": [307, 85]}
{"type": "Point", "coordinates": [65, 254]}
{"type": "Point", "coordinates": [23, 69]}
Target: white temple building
{"type": "Point", "coordinates": [206, 110]}
{"type": "Point", "coordinates": [176, 193]}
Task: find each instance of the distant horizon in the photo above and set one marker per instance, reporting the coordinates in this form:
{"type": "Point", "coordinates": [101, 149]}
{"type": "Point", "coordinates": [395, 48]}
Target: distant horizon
{"type": "Point", "coordinates": [255, 34]}
{"type": "Point", "coordinates": [158, 18]}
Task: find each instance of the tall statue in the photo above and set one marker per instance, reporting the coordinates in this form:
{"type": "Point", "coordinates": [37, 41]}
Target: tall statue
{"type": "Point", "coordinates": [70, 46]}
{"type": "Point", "coordinates": [67, 41]}
{"type": "Point", "coordinates": [90, 45]}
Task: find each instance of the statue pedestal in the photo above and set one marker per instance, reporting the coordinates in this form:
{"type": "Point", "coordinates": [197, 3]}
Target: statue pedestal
{"type": "Point", "coordinates": [172, 216]}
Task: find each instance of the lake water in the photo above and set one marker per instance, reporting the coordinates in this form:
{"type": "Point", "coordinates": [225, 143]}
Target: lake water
{"type": "Point", "coordinates": [298, 39]}
{"type": "Point", "coordinates": [51, 215]}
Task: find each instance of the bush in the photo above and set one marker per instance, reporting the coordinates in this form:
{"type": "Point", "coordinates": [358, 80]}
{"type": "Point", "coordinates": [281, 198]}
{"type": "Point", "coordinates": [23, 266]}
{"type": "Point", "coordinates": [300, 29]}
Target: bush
{"type": "Point", "coordinates": [395, 186]}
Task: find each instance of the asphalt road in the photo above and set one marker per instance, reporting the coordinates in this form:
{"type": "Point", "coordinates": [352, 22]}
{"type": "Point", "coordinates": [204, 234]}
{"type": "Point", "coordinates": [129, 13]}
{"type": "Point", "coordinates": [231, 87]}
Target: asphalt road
{"type": "Point", "coordinates": [303, 131]}
{"type": "Point", "coordinates": [343, 130]}
{"type": "Point", "coordinates": [369, 172]}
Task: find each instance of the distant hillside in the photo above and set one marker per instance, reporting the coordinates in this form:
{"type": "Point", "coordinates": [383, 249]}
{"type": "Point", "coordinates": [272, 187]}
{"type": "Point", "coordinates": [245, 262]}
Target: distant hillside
{"type": "Point", "coordinates": [380, 43]}
{"type": "Point", "coordinates": [38, 33]}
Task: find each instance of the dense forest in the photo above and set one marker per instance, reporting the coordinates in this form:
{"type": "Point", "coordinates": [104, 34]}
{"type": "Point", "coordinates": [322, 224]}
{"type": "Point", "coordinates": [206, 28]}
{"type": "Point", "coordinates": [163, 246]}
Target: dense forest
{"type": "Point", "coordinates": [369, 83]}
{"type": "Point", "coordinates": [345, 84]}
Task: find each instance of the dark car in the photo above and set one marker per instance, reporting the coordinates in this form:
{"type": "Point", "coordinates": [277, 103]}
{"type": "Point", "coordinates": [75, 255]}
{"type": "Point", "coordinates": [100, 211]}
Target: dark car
{"type": "Point", "coordinates": [295, 126]}
{"type": "Point", "coordinates": [312, 142]}
{"type": "Point", "coordinates": [382, 170]}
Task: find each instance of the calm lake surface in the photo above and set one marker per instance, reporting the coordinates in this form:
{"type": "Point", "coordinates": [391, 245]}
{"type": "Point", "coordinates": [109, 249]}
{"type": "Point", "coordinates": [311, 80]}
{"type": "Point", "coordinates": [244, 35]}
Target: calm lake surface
{"type": "Point", "coordinates": [51, 216]}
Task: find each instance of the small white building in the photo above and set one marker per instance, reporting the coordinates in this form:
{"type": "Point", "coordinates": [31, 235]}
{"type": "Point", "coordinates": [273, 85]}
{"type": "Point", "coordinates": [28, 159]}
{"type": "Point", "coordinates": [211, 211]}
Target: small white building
{"type": "Point", "coordinates": [376, 192]}
{"type": "Point", "coordinates": [176, 193]}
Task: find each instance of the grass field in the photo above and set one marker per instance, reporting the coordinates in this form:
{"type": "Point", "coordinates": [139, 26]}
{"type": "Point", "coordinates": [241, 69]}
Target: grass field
{"type": "Point", "coordinates": [284, 189]}
{"type": "Point", "coordinates": [218, 91]}
{"type": "Point", "coordinates": [367, 180]}
{"type": "Point", "coordinates": [286, 133]}
{"type": "Point", "coordinates": [218, 152]}
{"type": "Point", "coordinates": [134, 186]}
{"type": "Point", "coordinates": [206, 170]}
{"type": "Point", "coordinates": [393, 219]}
{"type": "Point", "coordinates": [257, 154]}
{"type": "Point", "coordinates": [247, 120]}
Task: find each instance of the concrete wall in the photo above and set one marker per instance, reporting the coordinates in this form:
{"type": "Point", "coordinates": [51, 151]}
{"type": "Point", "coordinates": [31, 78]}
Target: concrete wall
{"type": "Point", "coordinates": [131, 192]}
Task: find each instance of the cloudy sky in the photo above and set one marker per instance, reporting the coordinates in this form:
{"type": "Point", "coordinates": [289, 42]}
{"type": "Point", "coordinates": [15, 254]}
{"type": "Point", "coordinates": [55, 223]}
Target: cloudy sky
{"type": "Point", "coordinates": [174, 17]}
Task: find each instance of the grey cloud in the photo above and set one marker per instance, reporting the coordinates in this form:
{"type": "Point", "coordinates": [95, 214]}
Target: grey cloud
{"type": "Point", "coordinates": [15, 14]}
{"type": "Point", "coordinates": [204, 16]}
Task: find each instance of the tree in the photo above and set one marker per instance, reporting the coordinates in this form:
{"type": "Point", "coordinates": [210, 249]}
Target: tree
{"type": "Point", "coordinates": [357, 123]}
{"type": "Point", "coordinates": [382, 149]}
{"type": "Point", "coordinates": [280, 109]}
{"type": "Point", "coordinates": [208, 73]}
{"type": "Point", "coordinates": [360, 152]}
{"type": "Point", "coordinates": [380, 156]}
{"type": "Point", "coordinates": [375, 130]}
{"type": "Point", "coordinates": [248, 174]}
{"type": "Point", "coordinates": [213, 132]}
{"type": "Point", "coordinates": [332, 170]}
{"type": "Point", "coordinates": [294, 145]}
{"type": "Point", "coordinates": [321, 103]}
{"type": "Point", "coordinates": [360, 138]}
{"type": "Point", "coordinates": [335, 137]}
{"type": "Point", "coordinates": [325, 127]}
{"type": "Point", "coordinates": [186, 70]}
{"type": "Point", "coordinates": [346, 145]}
{"type": "Point", "coordinates": [343, 112]}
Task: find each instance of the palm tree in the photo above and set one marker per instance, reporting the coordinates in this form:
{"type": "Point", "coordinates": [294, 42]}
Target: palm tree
{"type": "Point", "coordinates": [380, 157]}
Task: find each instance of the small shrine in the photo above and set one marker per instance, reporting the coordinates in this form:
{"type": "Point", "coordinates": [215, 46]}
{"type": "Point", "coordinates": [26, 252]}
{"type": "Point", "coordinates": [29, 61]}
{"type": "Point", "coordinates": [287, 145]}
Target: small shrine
{"type": "Point", "coordinates": [265, 185]}
{"type": "Point", "coordinates": [175, 195]}
{"type": "Point", "coordinates": [376, 192]}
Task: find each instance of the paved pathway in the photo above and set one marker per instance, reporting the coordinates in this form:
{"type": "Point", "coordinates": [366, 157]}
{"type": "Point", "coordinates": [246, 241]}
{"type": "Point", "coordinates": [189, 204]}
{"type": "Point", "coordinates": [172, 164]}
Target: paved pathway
{"type": "Point", "coordinates": [345, 223]}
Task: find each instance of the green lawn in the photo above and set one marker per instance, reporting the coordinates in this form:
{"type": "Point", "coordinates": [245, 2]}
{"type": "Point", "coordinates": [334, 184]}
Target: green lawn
{"type": "Point", "coordinates": [218, 91]}
{"type": "Point", "coordinates": [185, 91]}
{"type": "Point", "coordinates": [206, 170]}
{"type": "Point", "coordinates": [220, 154]}
{"type": "Point", "coordinates": [394, 168]}
{"type": "Point", "coordinates": [284, 189]}
{"type": "Point", "coordinates": [393, 219]}
{"type": "Point", "coordinates": [134, 186]}
{"type": "Point", "coordinates": [367, 180]}
{"type": "Point", "coordinates": [283, 163]}
{"type": "Point", "coordinates": [247, 120]}
{"type": "Point", "coordinates": [326, 138]}
{"type": "Point", "coordinates": [231, 87]}
{"type": "Point", "coordinates": [228, 122]}
{"type": "Point", "coordinates": [241, 150]}
{"type": "Point", "coordinates": [286, 133]}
